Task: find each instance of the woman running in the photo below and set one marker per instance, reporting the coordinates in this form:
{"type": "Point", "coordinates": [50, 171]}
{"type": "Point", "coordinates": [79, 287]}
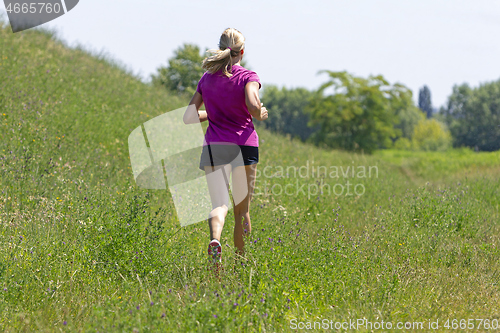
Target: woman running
{"type": "Point", "coordinates": [231, 96]}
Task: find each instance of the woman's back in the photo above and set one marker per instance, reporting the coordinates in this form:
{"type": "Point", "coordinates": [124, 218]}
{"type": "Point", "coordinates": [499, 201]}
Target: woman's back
{"type": "Point", "coordinates": [228, 116]}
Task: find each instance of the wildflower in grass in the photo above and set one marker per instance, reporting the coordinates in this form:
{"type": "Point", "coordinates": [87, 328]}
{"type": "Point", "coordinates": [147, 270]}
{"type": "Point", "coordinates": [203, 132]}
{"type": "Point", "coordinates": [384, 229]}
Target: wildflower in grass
{"type": "Point", "coordinates": [163, 315]}
{"type": "Point", "coordinates": [152, 303]}
{"type": "Point", "coordinates": [138, 307]}
{"type": "Point", "coordinates": [215, 316]}
{"type": "Point", "coordinates": [235, 304]}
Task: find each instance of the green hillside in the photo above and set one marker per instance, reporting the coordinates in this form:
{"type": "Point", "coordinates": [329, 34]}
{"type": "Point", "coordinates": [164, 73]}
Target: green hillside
{"type": "Point", "coordinates": [83, 249]}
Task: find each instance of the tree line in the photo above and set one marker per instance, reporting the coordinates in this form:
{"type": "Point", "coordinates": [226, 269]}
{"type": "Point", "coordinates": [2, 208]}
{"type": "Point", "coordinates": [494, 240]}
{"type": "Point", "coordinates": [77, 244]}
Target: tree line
{"type": "Point", "coordinates": [362, 114]}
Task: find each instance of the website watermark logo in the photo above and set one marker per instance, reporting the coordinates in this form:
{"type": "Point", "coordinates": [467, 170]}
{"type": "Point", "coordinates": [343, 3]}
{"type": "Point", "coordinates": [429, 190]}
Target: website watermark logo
{"type": "Point", "coordinates": [310, 180]}
{"type": "Point", "coordinates": [26, 14]}
{"type": "Point", "coordinates": [165, 153]}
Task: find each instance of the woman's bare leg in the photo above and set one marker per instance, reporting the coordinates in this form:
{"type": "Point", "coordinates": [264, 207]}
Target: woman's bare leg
{"type": "Point", "coordinates": [243, 182]}
{"type": "Point", "coordinates": [217, 179]}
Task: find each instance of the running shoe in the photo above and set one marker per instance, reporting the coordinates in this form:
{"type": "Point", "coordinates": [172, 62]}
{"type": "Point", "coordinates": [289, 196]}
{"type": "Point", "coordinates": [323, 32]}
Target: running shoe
{"type": "Point", "coordinates": [214, 255]}
{"type": "Point", "coordinates": [215, 251]}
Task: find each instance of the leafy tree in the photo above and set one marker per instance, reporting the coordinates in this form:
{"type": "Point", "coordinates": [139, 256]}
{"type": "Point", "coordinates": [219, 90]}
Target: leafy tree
{"type": "Point", "coordinates": [409, 118]}
{"type": "Point", "coordinates": [287, 111]}
{"type": "Point", "coordinates": [359, 115]}
{"type": "Point", "coordinates": [473, 116]}
{"type": "Point", "coordinates": [183, 71]}
{"type": "Point", "coordinates": [424, 101]}
{"type": "Point", "coordinates": [407, 113]}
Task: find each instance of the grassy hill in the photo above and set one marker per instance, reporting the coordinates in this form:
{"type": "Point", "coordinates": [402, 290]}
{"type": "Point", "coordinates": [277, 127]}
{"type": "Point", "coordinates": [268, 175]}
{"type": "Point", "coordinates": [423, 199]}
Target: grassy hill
{"type": "Point", "coordinates": [83, 249]}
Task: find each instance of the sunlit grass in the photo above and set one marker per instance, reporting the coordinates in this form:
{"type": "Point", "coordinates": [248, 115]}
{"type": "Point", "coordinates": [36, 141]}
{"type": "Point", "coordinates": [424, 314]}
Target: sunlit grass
{"type": "Point", "coordinates": [82, 248]}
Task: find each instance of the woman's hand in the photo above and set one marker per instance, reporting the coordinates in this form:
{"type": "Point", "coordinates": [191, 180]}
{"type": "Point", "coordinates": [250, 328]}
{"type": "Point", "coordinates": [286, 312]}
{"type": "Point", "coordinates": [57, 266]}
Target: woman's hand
{"type": "Point", "coordinates": [193, 114]}
{"type": "Point", "coordinates": [263, 113]}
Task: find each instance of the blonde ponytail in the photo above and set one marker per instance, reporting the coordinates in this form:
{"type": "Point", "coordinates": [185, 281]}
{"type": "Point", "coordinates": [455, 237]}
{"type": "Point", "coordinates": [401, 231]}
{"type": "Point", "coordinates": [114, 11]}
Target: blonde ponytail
{"type": "Point", "coordinates": [230, 45]}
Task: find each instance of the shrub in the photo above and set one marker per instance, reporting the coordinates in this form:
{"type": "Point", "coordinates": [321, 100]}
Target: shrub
{"type": "Point", "coordinates": [402, 144]}
{"type": "Point", "coordinates": [431, 135]}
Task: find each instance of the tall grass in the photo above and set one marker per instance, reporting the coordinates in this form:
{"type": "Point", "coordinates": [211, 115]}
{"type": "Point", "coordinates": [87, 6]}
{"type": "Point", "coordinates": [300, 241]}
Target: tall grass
{"type": "Point", "coordinates": [83, 249]}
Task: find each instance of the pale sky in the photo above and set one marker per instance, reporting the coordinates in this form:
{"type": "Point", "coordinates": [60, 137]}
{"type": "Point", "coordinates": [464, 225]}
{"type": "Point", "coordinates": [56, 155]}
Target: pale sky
{"type": "Point", "coordinates": [435, 42]}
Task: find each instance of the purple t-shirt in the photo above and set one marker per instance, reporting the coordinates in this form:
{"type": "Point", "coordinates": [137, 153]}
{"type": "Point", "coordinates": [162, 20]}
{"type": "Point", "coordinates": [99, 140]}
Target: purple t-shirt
{"type": "Point", "coordinates": [228, 116]}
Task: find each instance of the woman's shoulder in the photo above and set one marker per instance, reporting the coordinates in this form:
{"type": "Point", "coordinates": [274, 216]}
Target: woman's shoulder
{"type": "Point", "coordinates": [244, 70]}
{"type": "Point", "coordinates": [249, 75]}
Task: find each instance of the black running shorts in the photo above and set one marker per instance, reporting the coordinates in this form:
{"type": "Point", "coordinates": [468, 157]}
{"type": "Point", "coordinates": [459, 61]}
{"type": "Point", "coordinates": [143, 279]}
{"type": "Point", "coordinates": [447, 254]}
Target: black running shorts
{"type": "Point", "coordinates": [214, 155]}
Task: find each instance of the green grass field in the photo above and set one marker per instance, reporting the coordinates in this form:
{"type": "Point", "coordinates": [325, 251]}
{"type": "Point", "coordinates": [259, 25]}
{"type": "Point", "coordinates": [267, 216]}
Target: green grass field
{"type": "Point", "coordinates": [83, 249]}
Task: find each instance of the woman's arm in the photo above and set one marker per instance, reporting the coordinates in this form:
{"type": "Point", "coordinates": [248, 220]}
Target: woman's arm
{"type": "Point", "coordinates": [252, 101]}
{"type": "Point", "coordinates": [193, 114]}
